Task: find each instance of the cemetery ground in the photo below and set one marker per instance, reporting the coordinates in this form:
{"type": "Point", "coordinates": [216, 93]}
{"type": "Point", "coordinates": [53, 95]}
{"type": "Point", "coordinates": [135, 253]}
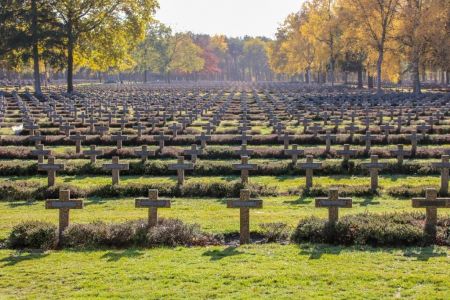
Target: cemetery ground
{"type": "Point", "coordinates": [304, 159]}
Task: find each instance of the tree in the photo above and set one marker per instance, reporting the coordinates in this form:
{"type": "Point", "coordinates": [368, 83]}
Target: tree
{"type": "Point", "coordinates": [81, 18]}
{"type": "Point", "coordinates": [376, 19]}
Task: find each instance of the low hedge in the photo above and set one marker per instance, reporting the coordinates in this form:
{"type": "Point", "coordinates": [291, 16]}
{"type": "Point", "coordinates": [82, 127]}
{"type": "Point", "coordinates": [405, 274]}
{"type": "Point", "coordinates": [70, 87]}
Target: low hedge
{"type": "Point", "coordinates": [30, 191]}
{"type": "Point", "coordinates": [217, 168]}
{"type": "Point", "coordinates": [371, 229]}
{"type": "Point", "coordinates": [168, 232]}
{"type": "Point", "coordinates": [224, 139]}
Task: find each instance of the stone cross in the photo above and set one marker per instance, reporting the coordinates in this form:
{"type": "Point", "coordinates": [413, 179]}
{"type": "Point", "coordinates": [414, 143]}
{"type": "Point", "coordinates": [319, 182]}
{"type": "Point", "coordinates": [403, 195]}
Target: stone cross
{"type": "Point", "coordinates": [431, 202]}
{"type": "Point", "coordinates": [244, 204]}
{"type": "Point", "coordinates": [346, 152]}
{"type": "Point", "coordinates": [444, 166]}
{"type": "Point", "coordinates": [400, 153]}
{"type": "Point", "coordinates": [101, 129]}
{"type": "Point", "coordinates": [414, 138]}
{"type": "Point", "coordinates": [152, 203]}
{"type": "Point", "coordinates": [209, 128]}
{"type": "Point", "coordinates": [352, 129]}
{"type": "Point", "coordinates": [386, 129]}
{"type": "Point", "coordinates": [203, 138]}
{"type": "Point", "coordinates": [78, 138]}
{"type": "Point", "coordinates": [328, 139]}
{"type": "Point", "coordinates": [333, 202]}
{"type": "Point", "coordinates": [119, 138]}
{"type": "Point", "coordinates": [41, 153]}
{"type": "Point", "coordinates": [315, 129]}
{"type": "Point", "coordinates": [116, 167]}
{"type": "Point", "coordinates": [294, 153]}
{"type": "Point", "coordinates": [31, 127]}
{"type": "Point", "coordinates": [161, 138]}
{"type": "Point", "coordinates": [243, 151]}
{"type": "Point", "coordinates": [374, 166]}
{"type": "Point", "coordinates": [423, 128]}
{"type": "Point", "coordinates": [93, 153]}
{"type": "Point", "coordinates": [51, 169]}
{"type": "Point", "coordinates": [174, 128]}
{"type": "Point", "coordinates": [245, 138]}
{"type": "Point", "coordinates": [37, 138]}
{"type": "Point", "coordinates": [193, 153]}
{"type": "Point", "coordinates": [181, 166]}
{"type": "Point", "coordinates": [244, 167]}
{"type": "Point", "coordinates": [66, 128]}
{"type": "Point", "coordinates": [368, 139]}
{"type": "Point", "coordinates": [309, 167]}
{"type": "Point", "coordinates": [64, 204]}
{"type": "Point", "coordinates": [139, 127]}
{"type": "Point", "coordinates": [285, 138]}
{"type": "Point", "coordinates": [144, 153]}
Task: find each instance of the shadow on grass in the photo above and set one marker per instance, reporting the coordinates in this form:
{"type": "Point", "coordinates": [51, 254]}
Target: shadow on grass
{"type": "Point", "coordinates": [424, 254]}
{"type": "Point", "coordinates": [21, 203]}
{"type": "Point", "coordinates": [300, 200]}
{"type": "Point", "coordinates": [316, 251]}
{"type": "Point", "coordinates": [219, 254]}
{"type": "Point", "coordinates": [20, 256]}
{"type": "Point", "coordinates": [116, 255]}
{"type": "Point", "coordinates": [366, 201]}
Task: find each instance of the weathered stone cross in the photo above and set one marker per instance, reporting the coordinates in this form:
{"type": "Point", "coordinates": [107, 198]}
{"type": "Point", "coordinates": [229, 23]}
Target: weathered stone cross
{"type": "Point", "coordinates": [244, 167]}
{"type": "Point", "coordinates": [181, 166]}
{"type": "Point", "coordinates": [144, 153]}
{"type": "Point", "coordinates": [431, 202]}
{"type": "Point", "coordinates": [294, 153]}
{"type": "Point", "coordinates": [309, 166]}
{"type": "Point", "coordinates": [93, 153]}
{"type": "Point", "coordinates": [245, 204]}
{"type": "Point", "coordinates": [203, 138]}
{"type": "Point", "coordinates": [40, 152]}
{"type": "Point", "coordinates": [116, 167]}
{"type": "Point", "coordinates": [119, 138]}
{"type": "Point", "coordinates": [333, 202]}
{"type": "Point", "coordinates": [444, 166]}
{"type": "Point", "coordinates": [161, 138]}
{"type": "Point", "coordinates": [78, 138]}
{"type": "Point", "coordinates": [51, 169]}
{"type": "Point", "coordinates": [193, 152]}
{"type": "Point", "coordinates": [374, 166]}
{"type": "Point", "coordinates": [152, 203]}
{"type": "Point", "coordinates": [64, 204]}
{"type": "Point", "coordinates": [400, 153]}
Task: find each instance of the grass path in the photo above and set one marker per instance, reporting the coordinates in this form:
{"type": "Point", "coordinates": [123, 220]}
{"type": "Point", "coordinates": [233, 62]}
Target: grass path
{"type": "Point", "coordinates": [261, 271]}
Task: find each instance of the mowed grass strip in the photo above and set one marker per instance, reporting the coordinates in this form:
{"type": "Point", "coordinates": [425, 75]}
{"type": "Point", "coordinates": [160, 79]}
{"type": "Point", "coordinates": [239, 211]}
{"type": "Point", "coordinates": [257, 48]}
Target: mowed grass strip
{"type": "Point", "coordinates": [283, 184]}
{"type": "Point", "coordinates": [211, 214]}
{"type": "Point", "coordinates": [261, 271]}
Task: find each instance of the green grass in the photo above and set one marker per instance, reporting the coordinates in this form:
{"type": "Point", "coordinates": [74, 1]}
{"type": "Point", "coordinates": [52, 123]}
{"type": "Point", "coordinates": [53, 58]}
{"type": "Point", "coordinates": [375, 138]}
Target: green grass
{"type": "Point", "coordinates": [211, 214]}
{"type": "Point", "coordinates": [283, 184]}
{"type": "Point", "coordinates": [248, 272]}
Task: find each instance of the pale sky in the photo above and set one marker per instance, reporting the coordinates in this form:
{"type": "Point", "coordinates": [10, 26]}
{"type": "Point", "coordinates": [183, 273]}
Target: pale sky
{"type": "Point", "coordinates": [230, 17]}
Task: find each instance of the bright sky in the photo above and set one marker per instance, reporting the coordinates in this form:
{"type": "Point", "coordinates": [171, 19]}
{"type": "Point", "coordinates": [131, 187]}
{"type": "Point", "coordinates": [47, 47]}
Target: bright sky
{"type": "Point", "coordinates": [230, 17]}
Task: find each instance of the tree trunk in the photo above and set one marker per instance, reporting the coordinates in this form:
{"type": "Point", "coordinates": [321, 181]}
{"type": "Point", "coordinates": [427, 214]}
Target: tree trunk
{"type": "Point", "coordinates": [308, 75]}
{"type": "Point", "coordinates": [447, 75]}
{"type": "Point", "coordinates": [369, 81]}
{"type": "Point", "coordinates": [35, 38]}
{"type": "Point", "coordinates": [145, 76]}
{"type": "Point", "coordinates": [70, 46]}
{"type": "Point", "coordinates": [168, 77]}
{"type": "Point", "coordinates": [379, 63]}
{"type": "Point", "coordinates": [360, 77]}
{"type": "Point", "coordinates": [416, 76]}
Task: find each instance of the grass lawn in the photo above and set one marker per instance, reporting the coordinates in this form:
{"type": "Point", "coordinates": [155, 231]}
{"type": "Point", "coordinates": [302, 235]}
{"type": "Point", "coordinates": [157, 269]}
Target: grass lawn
{"type": "Point", "coordinates": [211, 214]}
{"type": "Point", "coordinates": [262, 271]}
{"type": "Point", "coordinates": [283, 184]}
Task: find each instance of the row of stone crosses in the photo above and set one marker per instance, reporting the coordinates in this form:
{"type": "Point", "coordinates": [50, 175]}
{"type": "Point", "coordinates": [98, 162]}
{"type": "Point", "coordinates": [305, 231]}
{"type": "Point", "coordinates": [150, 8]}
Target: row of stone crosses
{"type": "Point", "coordinates": [98, 115]}
{"type": "Point", "coordinates": [431, 202]}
